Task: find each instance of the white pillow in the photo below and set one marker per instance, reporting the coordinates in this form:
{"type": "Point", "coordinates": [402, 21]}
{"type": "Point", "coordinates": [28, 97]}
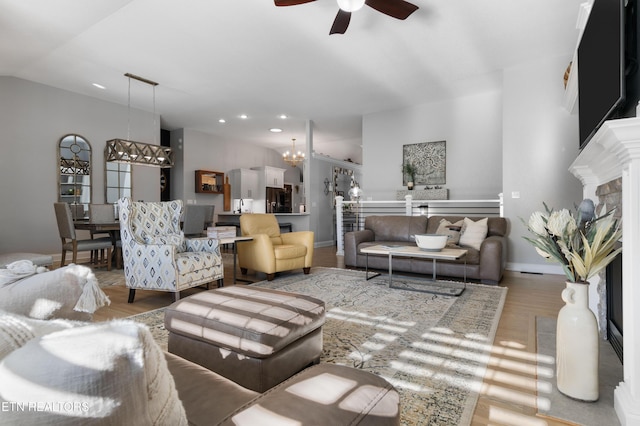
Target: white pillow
{"type": "Point", "coordinates": [453, 236]}
{"type": "Point", "coordinates": [473, 233]}
{"type": "Point", "coordinates": [70, 292]}
{"type": "Point", "coordinates": [17, 330]}
{"type": "Point", "coordinates": [105, 373]}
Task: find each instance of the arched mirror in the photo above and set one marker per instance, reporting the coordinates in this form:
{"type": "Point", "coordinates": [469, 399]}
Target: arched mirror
{"type": "Point", "coordinates": [118, 181]}
{"type": "Point", "coordinates": [74, 179]}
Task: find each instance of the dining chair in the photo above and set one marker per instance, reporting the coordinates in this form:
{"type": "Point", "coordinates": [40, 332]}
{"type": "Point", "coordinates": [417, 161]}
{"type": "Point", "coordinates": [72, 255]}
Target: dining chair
{"type": "Point", "coordinates": [196, 219]}
{"type": "Point", "coordinates": [71, 243]}
{"type": "Point", "coordinates": [101, 213]}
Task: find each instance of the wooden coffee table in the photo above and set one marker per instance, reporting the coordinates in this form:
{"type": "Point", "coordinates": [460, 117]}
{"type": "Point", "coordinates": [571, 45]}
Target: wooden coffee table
{"type": "Point", "coordinates": [412, 251]}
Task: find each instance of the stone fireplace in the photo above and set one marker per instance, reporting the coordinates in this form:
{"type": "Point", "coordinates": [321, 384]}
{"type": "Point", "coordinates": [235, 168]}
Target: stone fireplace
{"type": "Point", "coordinates": [614, 154]}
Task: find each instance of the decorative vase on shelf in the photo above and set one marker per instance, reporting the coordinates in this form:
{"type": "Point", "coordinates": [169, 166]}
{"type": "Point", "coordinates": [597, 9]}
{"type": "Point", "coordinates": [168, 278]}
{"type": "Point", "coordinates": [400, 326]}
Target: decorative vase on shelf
{"type": "Point", "coordinates": [577, 345]}
{"type": "Point", "coordinates": [410, 186]}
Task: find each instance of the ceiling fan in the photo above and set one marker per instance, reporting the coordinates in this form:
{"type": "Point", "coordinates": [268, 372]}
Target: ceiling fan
{"type": "Point", "coordinates": [398, 9]}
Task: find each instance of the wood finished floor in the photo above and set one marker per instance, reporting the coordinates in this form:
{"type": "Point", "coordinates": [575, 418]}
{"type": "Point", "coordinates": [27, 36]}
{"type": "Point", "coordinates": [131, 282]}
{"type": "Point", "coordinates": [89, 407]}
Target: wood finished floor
{"type": "Point", "coordinates": [508, 395]}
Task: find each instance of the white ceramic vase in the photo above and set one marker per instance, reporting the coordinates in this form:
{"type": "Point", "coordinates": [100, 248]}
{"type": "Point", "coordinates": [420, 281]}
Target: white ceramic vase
{"type": "Point", "coordinates": [577, 345]}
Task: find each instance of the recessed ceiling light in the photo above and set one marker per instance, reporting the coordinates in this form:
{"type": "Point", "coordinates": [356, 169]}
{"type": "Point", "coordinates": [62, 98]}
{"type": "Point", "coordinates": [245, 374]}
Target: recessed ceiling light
{"type": "Point", "coordinates": [275, 130]}
{"type": "Point", "coordinates": [222, 120]}
{"type": "Point", "coordinates": [283, 116]}
{"type": "Point", "coordinates": [244, 116]}
{"type": "Point", "coordinates": [99, 86]}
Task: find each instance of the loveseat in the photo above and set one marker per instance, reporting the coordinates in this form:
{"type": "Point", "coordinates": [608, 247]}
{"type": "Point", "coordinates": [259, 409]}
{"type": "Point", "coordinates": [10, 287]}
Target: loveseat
{"type": "Point", "coordinates": [114, 373]}
{"type": "Point", "coordinates": [484, 239]}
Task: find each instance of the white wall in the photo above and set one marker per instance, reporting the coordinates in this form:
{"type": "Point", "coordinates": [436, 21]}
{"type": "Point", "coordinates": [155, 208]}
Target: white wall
{"type": "Point", "coordinates": [472, 128]}
{"type": "Point", "coordinates": [33, 118]}
{"type": "Point", "coordinates": [518, 140]}
{"type": "Point", "coordinates": [540, 141]}
{"type": "Point", "coordinates": [201, 151]}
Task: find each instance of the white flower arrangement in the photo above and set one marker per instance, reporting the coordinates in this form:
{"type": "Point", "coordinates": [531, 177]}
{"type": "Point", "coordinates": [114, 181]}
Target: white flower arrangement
{"type": "Point", "coordinates": [582, 243]}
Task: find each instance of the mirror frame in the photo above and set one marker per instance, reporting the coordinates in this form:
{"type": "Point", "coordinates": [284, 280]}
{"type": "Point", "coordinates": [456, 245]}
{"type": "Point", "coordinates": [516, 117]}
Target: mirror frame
{"type": "Point", "coordinates": [79, 163]}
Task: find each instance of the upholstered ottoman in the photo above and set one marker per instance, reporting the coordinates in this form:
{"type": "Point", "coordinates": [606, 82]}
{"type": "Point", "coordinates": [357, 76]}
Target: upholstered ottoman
{"type": "Point", "coordinates": [254, 336]}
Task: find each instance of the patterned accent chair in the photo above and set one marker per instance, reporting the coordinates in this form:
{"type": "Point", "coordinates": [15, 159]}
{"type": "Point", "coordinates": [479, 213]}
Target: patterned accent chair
{"type": "Point", "coordinates": [270, 251]}
{"type": "Point", "coordinates": [156, 254]}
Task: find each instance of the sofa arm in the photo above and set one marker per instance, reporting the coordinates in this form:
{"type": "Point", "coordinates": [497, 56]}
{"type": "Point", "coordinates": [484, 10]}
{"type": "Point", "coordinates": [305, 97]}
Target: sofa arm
{"type": "Point", "coordinates": [492, 259]}
{"type": "Point", "coordinates": [209, 245]}
{"type": "Point", "coordinates": [351, 242]}
{"type": "Point", "coordinates": [257, 254]}
{"type": "Point", "coordinates": [304, 238]}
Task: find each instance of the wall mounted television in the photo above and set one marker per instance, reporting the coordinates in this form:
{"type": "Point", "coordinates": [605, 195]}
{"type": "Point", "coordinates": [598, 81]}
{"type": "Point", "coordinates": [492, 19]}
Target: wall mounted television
{"type": "Point", "coordinates": [608, 86]}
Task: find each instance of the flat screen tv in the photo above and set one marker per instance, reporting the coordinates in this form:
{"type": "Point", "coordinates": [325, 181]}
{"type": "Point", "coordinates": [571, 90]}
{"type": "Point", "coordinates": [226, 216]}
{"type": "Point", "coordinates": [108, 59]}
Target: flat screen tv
{"type": "Point", "coordinates": [607, 66]}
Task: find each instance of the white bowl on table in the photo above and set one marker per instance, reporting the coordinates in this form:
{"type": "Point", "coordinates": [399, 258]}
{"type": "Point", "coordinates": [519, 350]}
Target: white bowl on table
{"type": "Point", "coordinates": [431, 242]}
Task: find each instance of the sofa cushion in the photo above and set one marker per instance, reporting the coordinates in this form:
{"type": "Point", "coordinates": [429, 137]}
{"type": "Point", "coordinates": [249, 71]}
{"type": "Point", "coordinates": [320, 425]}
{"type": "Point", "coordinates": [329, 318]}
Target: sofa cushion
{"type": "Point", "coordinates": [396, 228]}
{"type": "Point", "coordinates": [106, 373]}
{"type": "Point", "coordinates": [16, 330]}
{"type": "Point", "coordinates": [473, 233]}
{"type": "Point", "coordinates": [453, 235]}
{"type": "Point", "coordinates": [496, 226]}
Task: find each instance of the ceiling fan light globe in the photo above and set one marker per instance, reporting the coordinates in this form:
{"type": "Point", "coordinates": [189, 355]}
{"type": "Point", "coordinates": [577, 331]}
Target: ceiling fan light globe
{"type": "Point", "coordinates": [350, 5]}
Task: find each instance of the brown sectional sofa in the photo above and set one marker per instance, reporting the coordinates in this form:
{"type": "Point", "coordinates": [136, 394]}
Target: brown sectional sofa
{"type": "Point", "coordinates": [486, 265]}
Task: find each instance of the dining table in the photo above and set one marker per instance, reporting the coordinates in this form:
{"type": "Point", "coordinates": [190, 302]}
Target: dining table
{"type": "Point", "coordinates": [112, 228]}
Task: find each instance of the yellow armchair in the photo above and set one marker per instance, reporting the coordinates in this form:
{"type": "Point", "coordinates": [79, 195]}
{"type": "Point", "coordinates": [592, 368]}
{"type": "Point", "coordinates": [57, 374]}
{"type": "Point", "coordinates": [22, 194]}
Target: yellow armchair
{"type": "Point", "coordinates": [270, 251]}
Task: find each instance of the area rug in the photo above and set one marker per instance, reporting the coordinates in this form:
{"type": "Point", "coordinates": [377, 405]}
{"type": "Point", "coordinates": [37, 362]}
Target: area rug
{"type": "Point", "coordinates": [432, 348]}
{"type": "Point", "coordinates": [554, 404]}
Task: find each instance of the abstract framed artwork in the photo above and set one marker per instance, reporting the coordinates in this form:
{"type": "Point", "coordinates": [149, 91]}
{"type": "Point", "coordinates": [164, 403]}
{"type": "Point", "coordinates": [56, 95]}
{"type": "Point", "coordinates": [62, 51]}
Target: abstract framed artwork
{"type": "Point", "coordinates": [430, 160]}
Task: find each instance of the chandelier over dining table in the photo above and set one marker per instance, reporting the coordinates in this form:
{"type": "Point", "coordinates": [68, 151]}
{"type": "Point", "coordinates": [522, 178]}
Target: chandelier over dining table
{"type": "Point", "coordinates": [293, 157]}
{"type": "Point", "coordinates": [127, 151]}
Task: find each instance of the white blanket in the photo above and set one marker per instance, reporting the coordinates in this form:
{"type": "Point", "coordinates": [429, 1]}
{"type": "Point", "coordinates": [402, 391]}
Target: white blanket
{"type": "Point", "coordinates": [18, 270]}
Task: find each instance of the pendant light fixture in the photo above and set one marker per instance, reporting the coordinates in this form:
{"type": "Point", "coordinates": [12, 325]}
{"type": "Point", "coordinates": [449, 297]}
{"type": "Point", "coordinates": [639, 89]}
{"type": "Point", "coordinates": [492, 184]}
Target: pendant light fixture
{"type": "Point", "coordinates": [293, 157]}
{"type": "Point", "coordinates": [131, 152]}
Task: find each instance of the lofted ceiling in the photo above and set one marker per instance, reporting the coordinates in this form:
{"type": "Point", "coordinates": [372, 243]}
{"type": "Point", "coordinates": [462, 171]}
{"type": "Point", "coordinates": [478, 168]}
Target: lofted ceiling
{"type": "Point", "coordinates": [219, 59]}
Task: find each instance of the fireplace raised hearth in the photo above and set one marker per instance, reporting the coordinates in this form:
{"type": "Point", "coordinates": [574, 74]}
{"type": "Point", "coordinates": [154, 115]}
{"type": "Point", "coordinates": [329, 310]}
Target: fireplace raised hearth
{"type": "Point", "coordinates": [614, 152]}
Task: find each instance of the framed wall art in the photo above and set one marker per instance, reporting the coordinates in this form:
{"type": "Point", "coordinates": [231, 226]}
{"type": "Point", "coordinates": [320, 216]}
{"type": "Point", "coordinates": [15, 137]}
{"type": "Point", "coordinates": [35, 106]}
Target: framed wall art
{"type": "Point", "coordinates": [430, 160]}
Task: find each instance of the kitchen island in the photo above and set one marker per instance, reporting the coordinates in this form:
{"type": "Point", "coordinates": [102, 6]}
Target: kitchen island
{"type": "Point", "coordinates": [288, 221]}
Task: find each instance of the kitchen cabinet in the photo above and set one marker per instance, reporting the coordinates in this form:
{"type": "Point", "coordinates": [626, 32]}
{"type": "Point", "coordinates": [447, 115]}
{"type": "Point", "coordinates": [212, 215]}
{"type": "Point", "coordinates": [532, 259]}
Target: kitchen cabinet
{"type": "Point", "coordinates": [244, 183]}
{"type": "Point", "coordinates": [272, 177]}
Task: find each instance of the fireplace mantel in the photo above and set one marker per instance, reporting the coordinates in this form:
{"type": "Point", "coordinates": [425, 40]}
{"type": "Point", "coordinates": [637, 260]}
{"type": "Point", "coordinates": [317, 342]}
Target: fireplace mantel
{"type": "Point", "coordinates": [613, 152]}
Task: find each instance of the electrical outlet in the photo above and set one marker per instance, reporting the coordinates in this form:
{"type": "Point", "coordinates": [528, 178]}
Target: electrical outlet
{"type": "Point", "coordinates": [515, 194]}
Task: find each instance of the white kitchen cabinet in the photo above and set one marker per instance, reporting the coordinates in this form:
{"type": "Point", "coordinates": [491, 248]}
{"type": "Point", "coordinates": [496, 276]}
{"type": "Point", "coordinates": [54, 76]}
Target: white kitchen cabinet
{"type": "Point", "coordinates": [244, 183]}
{"type": "Point", "coordinates": [272, 177]}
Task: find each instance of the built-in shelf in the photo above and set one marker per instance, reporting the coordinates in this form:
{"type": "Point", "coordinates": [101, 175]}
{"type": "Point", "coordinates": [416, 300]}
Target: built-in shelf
{"type": "Point", "coordinates": [209, 182]}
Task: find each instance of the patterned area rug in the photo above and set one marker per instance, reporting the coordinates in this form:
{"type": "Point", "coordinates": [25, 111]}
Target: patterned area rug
{"type": "Point", "coordinates": [432, 348]}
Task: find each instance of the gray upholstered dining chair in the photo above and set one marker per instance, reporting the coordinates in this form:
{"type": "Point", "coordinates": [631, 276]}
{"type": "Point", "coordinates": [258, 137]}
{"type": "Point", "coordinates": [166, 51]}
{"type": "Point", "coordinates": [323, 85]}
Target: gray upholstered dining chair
{"type": "Point", "coordinates": [101, 213]}
{"type": "Point", "coordinates": [196, 218]}
{"type": "Point", "coordinates": [71, 243]}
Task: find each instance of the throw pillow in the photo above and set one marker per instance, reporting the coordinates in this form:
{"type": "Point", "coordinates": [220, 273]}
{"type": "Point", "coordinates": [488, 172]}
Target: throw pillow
{"type": "Point", "coordinates": [473, 233]}
{"type": "Point", "coordinates": [17, 330]}
{"type": "Point", "coordinates": [70, 292]}
{"type": "Point", "coordinates": [105, 373]}
{"type": "Point", "coordinates": [453, 235]}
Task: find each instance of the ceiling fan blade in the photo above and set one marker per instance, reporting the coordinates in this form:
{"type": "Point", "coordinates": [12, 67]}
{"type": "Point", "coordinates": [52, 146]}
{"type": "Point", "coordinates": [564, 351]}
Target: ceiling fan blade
{"type": "Point", "coordinates": [341, 22]}
{"type": "Point", "coordinates": [291, 2]}
{"type": "Point", "coordinates": [398, 9]}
